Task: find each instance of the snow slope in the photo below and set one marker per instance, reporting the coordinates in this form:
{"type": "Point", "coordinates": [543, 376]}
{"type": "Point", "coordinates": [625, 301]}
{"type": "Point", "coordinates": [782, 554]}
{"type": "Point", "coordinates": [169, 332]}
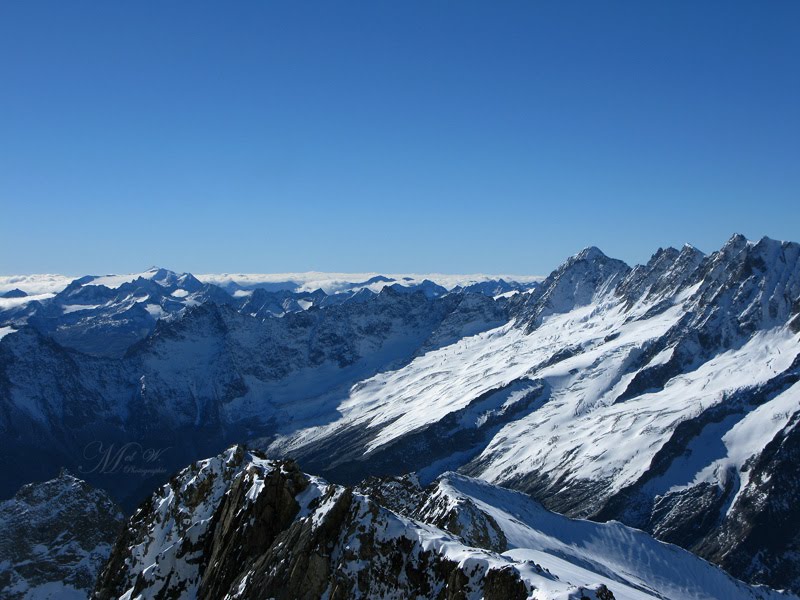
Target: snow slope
{"type": "Point", "coordinates": [582, 550]}
{"type": "Point", "coordinates": [655, 389]}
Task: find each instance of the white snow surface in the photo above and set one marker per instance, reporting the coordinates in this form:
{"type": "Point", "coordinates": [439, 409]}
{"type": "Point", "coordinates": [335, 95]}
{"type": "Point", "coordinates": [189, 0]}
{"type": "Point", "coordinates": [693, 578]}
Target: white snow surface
{"type": "Point", "coordinates": [447, 379]}
{"type": "Point", "coordinates": [619, 440]}
{"type": "Point", "coordinates": [71, 308]}
{"type": "Point", "coordinates": [579, 431]}
{"type": "Point", "coordinates": [629, 562]}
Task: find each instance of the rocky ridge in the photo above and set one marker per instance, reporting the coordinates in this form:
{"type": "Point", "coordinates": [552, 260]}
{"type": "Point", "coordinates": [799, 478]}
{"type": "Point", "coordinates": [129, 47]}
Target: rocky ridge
{"type": "Point", "coordinates": [241, 526]}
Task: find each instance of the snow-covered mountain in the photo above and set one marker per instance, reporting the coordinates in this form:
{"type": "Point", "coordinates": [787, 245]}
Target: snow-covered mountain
{"type": "Point", "coordinates": [664, 396]}
{"type": "Point", "coordinates": [105, 315]}
{"type": "Point", "coordinates": [211, 376]}
{"type": "Point", "coordinates": [241, 526]}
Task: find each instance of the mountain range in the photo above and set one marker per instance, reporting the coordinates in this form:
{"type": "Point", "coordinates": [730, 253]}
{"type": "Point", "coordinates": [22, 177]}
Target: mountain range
{"type": "Point", "coordinates": [662, 396]}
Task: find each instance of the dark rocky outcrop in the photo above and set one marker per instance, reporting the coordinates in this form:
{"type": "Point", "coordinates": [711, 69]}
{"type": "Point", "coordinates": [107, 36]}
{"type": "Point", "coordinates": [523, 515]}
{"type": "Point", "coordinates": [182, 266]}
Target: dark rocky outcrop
{"type": "Point", "coordinates": [760, 538]}
{"type": "Point", "coordinates": [241, 526]}
{"type": "Point", "coordinates": [58, 532]}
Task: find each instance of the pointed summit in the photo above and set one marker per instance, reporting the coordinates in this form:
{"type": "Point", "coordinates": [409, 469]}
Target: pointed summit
{"type": "Point", "coordinates": [736, 242]}
{"type": "Point", "coordinates": [590, 253]}
{"type": "Point", "coordinates": [580, 280]}
{"type": "Point", "coordinates": [666, 272]}
{"type": "Point", "coordinates": [757, 282]}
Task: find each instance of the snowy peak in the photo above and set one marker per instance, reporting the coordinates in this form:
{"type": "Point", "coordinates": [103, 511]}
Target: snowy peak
{"type": "Point", "coordinates": [642, 277]}
{"type": "Point", "coordinates": [175, 281]}
{"type": "Point", "coordinates": [663, 276]}
{"type": "Point", "coordinates": [159, 275]}
{"type": "Point", "coordinates": [736, 243]}
{"type": "Point", "coordinates": [584, 278]}
{"type": "Point", "coordinates": [165, 278]}
{"type": "Point", "coordinates": [427, 287]}
{"type": "Point", "coordinates": [162, 549]}
{"type": "Point", "coordinates": [746, 286]}
{"type": "Point", "coordinates": [590, 253]}
{"type": "Point", "coordinates": [240, 526]}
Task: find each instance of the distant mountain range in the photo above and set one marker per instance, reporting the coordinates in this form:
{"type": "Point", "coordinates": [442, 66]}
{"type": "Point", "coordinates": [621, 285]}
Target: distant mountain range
{"type": "Point", "coordinates": [664, 396]}
{"type": "Point", "coordinates": [105, 315]}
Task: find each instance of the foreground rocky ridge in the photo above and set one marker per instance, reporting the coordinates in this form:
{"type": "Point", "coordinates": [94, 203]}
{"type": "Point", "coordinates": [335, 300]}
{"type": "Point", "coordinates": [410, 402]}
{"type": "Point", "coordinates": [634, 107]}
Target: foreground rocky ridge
{"type": "Point", "coordinates": [241, 526]}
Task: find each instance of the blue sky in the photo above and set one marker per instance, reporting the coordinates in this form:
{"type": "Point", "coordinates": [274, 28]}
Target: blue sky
{"type": "Point", "coordinates": [391, 136]}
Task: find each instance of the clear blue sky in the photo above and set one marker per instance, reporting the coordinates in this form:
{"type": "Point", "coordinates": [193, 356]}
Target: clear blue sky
{"type": "Point", "coordinates": [391, 136]}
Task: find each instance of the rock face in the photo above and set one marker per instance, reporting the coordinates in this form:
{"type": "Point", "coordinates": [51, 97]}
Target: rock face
{"type": "Point", "coordinates": [238, 525]}
{"type": "Point", "coordinates": [241, 526]}
{"type": "Point", "coordinates": [55, 537]}
{"type": "Point", "coordinates": [193, 535]}
{"type": "Point", "coordinates": [761, 538]}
